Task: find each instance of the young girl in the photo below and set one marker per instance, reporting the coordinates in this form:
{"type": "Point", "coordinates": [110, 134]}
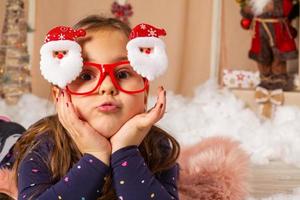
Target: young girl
{"type": "Point", "coordinates": [102, 144]}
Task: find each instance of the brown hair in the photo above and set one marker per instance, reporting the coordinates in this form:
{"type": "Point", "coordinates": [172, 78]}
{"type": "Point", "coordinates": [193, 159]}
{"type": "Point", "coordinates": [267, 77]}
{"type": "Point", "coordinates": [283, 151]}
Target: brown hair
{"type": "Point", "coordinates": [65, 149]}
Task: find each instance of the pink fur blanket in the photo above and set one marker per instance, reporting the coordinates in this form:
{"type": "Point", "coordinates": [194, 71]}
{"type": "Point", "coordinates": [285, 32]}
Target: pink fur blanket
{"type": "Point", "coordinates": [214, 169]}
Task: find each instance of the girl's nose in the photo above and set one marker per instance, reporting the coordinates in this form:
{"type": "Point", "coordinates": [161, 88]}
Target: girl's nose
{"type": "Point", "coordinates": [107, 87]}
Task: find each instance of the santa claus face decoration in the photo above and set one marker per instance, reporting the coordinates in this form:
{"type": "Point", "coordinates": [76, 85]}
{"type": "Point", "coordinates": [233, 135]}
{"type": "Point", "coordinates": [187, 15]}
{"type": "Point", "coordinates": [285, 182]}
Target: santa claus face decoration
{"type": "Point", "coordinates": [61, 60]}
{"type": "Point", "coordinates": [146, 51]}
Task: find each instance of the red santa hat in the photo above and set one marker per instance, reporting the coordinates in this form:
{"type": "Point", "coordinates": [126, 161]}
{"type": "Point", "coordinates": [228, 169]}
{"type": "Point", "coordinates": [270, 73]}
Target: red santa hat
{"type": "Point", "coordinates": [146, 30]}
{"type": "Point", "coordinates": [61, 60]}
{"type": "Point", "coordinates": [146, 51]}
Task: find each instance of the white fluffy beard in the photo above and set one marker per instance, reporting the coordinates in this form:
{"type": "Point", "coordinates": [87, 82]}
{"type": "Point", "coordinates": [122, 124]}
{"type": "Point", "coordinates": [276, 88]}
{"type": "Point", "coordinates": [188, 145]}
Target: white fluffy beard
{"type": "Point", "coordinates": [258, 6]}
{"type": "Point", "coordinates": [150, 65]}
{"type": "Point", "coordinates": [63, 71]}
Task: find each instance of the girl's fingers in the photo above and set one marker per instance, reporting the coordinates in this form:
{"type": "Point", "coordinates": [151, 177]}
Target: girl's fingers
{"type": "Point", "coordinates": [158, 110]}
{"type": "Point", "coordinates": [60, 108]}
{"type": "Point", "coordinates": [69, 108]}
{"type": "Point", "coordinates": [58, 105]}
{"type": "Point", "coordinates": [163, 110]}
{"type": "Point", "coordinates": [66, 112]}
{"type": "Point", "coordinates": [162, 104]}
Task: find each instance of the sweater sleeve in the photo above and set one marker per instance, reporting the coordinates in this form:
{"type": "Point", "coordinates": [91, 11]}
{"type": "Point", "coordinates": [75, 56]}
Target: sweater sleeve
{"type": "Point", "coordinates": [132, 179]}
{"type": "Point", "coordinates": [83, 181]}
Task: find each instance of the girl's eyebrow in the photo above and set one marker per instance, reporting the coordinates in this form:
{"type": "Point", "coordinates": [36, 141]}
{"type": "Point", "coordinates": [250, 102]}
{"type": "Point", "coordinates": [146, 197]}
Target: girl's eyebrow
{"type": "Point", "coordinates": [120, 58]}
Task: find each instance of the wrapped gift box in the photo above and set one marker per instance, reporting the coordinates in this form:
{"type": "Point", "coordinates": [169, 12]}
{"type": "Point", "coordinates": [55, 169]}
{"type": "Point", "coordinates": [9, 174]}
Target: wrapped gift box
{"type": "Point", "coordinates": [240, 79]}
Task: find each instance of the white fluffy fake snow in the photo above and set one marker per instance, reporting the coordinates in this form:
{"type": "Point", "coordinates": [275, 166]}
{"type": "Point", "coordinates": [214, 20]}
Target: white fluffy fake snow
{"type": "Point", "coordinates": [29, 109]}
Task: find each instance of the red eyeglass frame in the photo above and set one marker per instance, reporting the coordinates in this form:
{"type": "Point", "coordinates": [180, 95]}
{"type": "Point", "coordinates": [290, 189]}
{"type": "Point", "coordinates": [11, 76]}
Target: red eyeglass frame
{"type": "Point", "coordinates": [108, 69]}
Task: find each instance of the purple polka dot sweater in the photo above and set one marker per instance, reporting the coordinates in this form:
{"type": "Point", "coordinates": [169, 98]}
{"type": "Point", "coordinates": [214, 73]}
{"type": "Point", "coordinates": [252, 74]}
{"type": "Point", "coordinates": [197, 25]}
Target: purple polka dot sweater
{"type": "Point", "coordinates": [131, 177]}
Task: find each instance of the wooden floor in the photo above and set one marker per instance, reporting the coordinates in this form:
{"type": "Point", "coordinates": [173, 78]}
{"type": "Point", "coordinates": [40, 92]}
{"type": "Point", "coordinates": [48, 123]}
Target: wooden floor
{"type": "Point", "coordinates": [276, 177]}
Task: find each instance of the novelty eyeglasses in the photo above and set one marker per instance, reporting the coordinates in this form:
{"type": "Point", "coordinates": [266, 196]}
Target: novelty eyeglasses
{"type": "Point", "coordinates": [121, 73]}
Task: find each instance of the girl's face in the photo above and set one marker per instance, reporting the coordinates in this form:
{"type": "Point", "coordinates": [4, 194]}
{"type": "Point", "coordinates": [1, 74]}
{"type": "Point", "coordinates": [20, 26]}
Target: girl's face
{"type": "Point", "coordinates": [107, 109]}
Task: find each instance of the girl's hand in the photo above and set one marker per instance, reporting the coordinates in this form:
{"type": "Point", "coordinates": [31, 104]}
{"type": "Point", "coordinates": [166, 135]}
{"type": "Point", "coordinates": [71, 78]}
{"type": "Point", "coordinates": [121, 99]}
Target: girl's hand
{"type": "Point", "coordinates": [135, 130]}
{"type": "Point", "coordinates": [8, 183]}
{"type": "Point", "coordinates": [87, 139]}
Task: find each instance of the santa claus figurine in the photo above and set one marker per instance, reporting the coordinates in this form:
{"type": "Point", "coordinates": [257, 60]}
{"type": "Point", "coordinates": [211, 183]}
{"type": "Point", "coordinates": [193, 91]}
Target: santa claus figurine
{"type": "Point", "coordinates": [61, 60]}
{"type": "Point", "coordinates": [273, 41]}
{"type": "Point", "coordinates": [146, 51]}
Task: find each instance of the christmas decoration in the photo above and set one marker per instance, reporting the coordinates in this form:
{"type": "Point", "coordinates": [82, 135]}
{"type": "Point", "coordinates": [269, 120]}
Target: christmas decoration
{"type": "Point", "coordinates": [61, 60]}
{"type": "Point", "coordinates": [14, 58]}
{"type": "Point", "coordinates": [146, 51]}
{"type": "Point", "coordinates": [268, 100]}
{"type": "Point", "coordinates": [273, 41]}
{"type": "Point", "coordinates": [240, 79]}
{"type": "Point", "coordinates": [246, 23]}
{"type": "Point", "coordinates": [122, 10]}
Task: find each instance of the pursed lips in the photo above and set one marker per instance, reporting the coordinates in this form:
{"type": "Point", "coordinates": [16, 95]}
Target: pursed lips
{"type": "Point", "coordinates": [108, 107]}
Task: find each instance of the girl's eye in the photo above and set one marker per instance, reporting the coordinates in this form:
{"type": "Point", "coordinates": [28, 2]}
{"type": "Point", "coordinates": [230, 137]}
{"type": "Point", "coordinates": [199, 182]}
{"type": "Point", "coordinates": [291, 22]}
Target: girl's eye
{"type": "Point", "coordinates": [86, 76]}
{"type": "Point", "coordinates": [122, 74]}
